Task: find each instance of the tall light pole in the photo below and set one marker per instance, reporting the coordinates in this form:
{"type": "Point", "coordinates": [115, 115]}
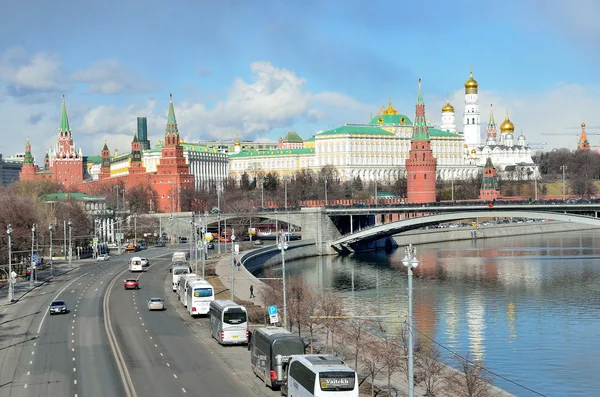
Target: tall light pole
{"type": "Point", "coordinates": [192, 240]}
{"type": "Point", "coordinates": [325, 191]}
{"type": "Point", "coordinates": [70, 241]}
{"type": "Point", "coordinates": [262, 192]}
{"type": "Point", "coordinates": [232, 264]}
{"type": "Point", "coordinates": [135, 229]}
{"type": "Point", "coordinates": [411, 262]}
{"type": "Point", "coordinates": [32, 266]}
{"type": "Point", "coordinates": [204, 250]}
{"type": "Point", "coordinates": [218, 220]}
{"type": "Point", "coordinates": [65, 238]}
{"type": "Point", "coordinates": [285, 192]}
{"type": "Point", "coordinates": [9, 231]}
{"type": "Point", "coordinates": [282, 245]}
{"type": "Point", "coordinates": [51, 261]}
{"type": "Point", "coordinates": [564, 167]}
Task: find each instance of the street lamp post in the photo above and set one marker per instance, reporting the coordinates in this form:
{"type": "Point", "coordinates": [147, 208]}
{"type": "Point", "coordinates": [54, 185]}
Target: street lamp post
{"type": "Point", "coordinates": [204, 247]}
{"type": "Point", "coordinates": [32, 266]}
{"type": "Point", "coordinates": [218, 221]}
{"type": "Point", "coordinates": [411, 262]}
{"type": "Point", "coordinates": [564, 167]}
{"type": "Point", "coordinates": [232, 264]}
{"type": "Point", "coordinates": [51, 261]}
{"type": "Point", "coordinates": [282, 245]}
{"type": "Point", "coordinates": [9, 231]}
{"type": "Point", "coordinates": [192, 240]}
{"type": "Point", "coordinates": [285, 192]}
{"type": "Point", "coordinates": [325, 192]}
{"type": "Point", "coordinates": [70, 241]}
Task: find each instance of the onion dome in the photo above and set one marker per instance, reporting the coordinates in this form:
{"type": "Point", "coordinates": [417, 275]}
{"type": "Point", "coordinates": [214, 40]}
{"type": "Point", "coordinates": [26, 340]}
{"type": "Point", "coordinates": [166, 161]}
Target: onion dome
{"type": "Point", "coordinates": [582, 124]}
{"type": "Point", "coordinates": [473, 151]}
{"type": "Point", "coordinates": [471, 85]}
{"type": "Point", "coordinates": [237, 141]}
{"type": "Point", "coordinates": [507, 126]}
{"type": "Point", "coordinates": [447, 107]}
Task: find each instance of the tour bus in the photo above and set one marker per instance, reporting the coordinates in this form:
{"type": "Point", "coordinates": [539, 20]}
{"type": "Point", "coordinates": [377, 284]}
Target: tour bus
{"type": "Point", "coordinates": [135, 264]}
{"type": "Point", "coordinates": [270, 350]}
{"type": "Point", "coordinates": [319, 376]}
{"type": "Point", "coordinates": [177, 271]}
{"type": "Point", "coordinates": [199, 295]}
{"type": "Point", "coordinates": [179, 257]}
{"type": "Point", "coordinates": [184, 281]}
{"type": "Point", "coordinates": [228, 322]}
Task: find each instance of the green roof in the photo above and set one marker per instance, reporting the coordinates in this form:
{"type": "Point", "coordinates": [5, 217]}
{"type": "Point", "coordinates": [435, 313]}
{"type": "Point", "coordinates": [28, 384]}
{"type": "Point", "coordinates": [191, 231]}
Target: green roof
{"type": "Point", "coordinates": [311, 139]}
{"type": "Point", "coordinates": [397, 119]}
{"type": "Point", "coordinates": [293, 137]}
{"type": "Point", "coordinates": [171, 121]}
{"type": "Point", "coordinates": [64, 120]}
{"type": "Point", "coordinates": [357, 130]}
{"type": "Point", "coordinates": [434, 132]}
{"type": "Point", "coordinates": [65, 196]}
{"type": "Point", "coordinates": [92, 159]}
{"type": "Point", "coordinates": [269, 153]}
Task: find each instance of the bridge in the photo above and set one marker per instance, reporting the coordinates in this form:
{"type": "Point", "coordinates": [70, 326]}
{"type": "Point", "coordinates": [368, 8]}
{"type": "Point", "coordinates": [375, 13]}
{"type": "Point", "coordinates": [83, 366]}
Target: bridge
{"type": "Point", "coordinates": [336, 229]}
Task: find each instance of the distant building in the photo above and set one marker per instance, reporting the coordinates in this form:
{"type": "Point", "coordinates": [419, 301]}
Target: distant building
{"type": "Point", "coordinates": [291, 141]}
{"type": "Point", "coordinates": [142, 133]}
{"type": "Point", "coordinates": [9, 171]}
{"type": "Point", "coordinates": [490, 190]}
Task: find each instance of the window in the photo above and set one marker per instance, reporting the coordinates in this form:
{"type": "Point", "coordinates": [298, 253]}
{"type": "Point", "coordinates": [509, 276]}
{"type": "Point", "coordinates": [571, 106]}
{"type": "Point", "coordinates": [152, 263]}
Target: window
{"type": "Point", "coordinates": [424, 176]}
{"type": "Point", "coordinates": [467, 121]}
{"type": "Point", "coordinates": [304, 376]}
{"type": "Point", "coordinates": [202, 292]}
{"type": "Point", "coordinates": [234, 316]}
{"type": "Point", "coordinates": [473, 120]}
{"type": "Point", "coordinates": [337, 381]}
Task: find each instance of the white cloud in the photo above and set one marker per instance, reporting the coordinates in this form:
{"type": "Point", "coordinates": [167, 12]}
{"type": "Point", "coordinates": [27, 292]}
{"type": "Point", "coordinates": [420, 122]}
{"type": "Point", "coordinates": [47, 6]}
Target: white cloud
{"type": "Point", "coordinates": [108, 77]}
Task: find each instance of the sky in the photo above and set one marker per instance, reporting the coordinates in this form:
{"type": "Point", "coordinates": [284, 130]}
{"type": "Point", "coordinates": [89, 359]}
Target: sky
{"type": "Point", "coordinates": [258, 69]}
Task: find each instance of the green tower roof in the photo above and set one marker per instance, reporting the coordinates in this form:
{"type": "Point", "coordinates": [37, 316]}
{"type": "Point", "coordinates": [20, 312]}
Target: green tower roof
{"type": "Point", "coordinates": [64, 120]}
{"type": "Point", "coordinates": [171, 121]}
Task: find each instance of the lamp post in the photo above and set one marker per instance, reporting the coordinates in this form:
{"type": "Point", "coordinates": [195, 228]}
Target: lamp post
{"type": "Point", "coordinates": [325, 191]}
{"type": "Point", "coordinates": [262, 192]}
{"type": "Point", "coordinates": [285, 192]}
{"type": "Point", "coordinates": [9, 231]}
{"type": "Point", "coordinates": [232, 264]}
{"type": "Point", "coordinates": [411, 262]}
{"type": "Point", "coordinates": [32, 266]}
{"type": "Point", "coordinates": [192, 240]}
{"type": "Point", "coordinates": [204, 247]}
{"type": "Point", "coordinates": [51, 261]}
{"type": "Point", "coordinates": [282, 245]}
{"type": "Point", "coordinates": [564, 167]}
{"type": "Point", "coordinates": [218, 221]}
{"type": "Point", "coordinates": [70, 241]}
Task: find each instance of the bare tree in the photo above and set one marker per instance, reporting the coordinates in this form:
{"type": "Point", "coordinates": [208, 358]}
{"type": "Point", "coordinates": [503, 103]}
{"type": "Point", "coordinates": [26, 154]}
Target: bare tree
{"type": "Point", "coordinates": [470, 380]}
{"type": "Point", "coordinates": [393, 355]}
{"type": "Point", "coordinates": [356, 332]}
{"type": "Point", "coordinates": [331, 309]}
{"type": "Point", "coordinates": [429, 368]}
{"type": "Point", "coordinates": [372, 360]}
{"type": "Point", "coordinates": [311, 306]}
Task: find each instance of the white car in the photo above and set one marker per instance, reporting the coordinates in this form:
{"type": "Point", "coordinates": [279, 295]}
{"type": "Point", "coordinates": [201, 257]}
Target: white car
{"type": "Point", "coordinates": [156, 304]}
{"type": "Point", "coordinates": [145, 262]}
{"type": "Point", "coordinates": [103, 257]}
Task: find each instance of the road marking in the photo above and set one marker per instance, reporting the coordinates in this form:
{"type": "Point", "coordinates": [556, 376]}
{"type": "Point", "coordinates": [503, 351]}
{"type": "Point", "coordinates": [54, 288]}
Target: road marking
{"type": "Point", "coordinates": [74, 369]}
{"type": "Point", "coordinates": [161, 355]}
{"type": "Point", "coordinates": [96, 289]}
{"type": "Point", "coordinates": [31, 362]}
{"type": "Point", "coordinates": [72, 349]}
{"type": "Point", "coordinates": [28, 373]}
{"type": "Point", "coordinates": [175, 376]}
{"type": "Point", "coordinates": [72, 290]}
{"type": "Point", "coordinates": [150, 337]}
{"type": "Point", "coordinates": [155, 345]}
{"type": "Point", "coordinates": [35, 343]}
{"type": "Point", "coordinates": [73, 327]}
{"type": "Point", "coordinates": [140, 317]}
{"type": "Point", "coordinates": [168, 365]}
{"type": "Point", "coordinates": [32, 353]}
{"type": "Point", "coordinates": [25, 383]}
{"type": "Point", "coordinates": [183, 390]}
{"type": "Point", "coordinates": [56, 297]}
{"type": "Point", "coordinates": [75, 382]}
{"type": "Point", "coordinates": [72, 340]}
{"type": "Point", "coordinates": [142, 323]}
{"type": "Point", "coordinates": [146, 330]}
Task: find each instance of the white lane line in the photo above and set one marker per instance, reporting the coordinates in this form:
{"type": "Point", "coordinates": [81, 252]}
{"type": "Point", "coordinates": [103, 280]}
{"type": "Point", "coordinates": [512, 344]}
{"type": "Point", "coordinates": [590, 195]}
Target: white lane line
{"type": "Point", "coordinates": [25, 385]}
{"type": "Point", "coordinates": [72, 327]}
{"type": "Point", "coordinates": [28, 373]}
{"type": "Point", "coordinates": [74, 369]}
{"type": "Point", "coordinates": [55, 298]}
{"type": "Point", "coordinates": [175, 376]}
{"type": "Point", "coordinates": [183, 390]}
{"type": "Point", "coordinates": [146, 330]}
{"type": "Point", "coordinates": [72, 349]}
{"type": "Point", "coordinates": [150, 337]}
{"type": "Point", "coordinates": [72, 333]}
{"type": "Point", "coordinates": [72, 290]}
{"type": "Point", "coordinates": [161, 355]}
{"type": "Point", "coordinates": [168, 365]}
{"type": "Point", "coordinates": [32, 353]}
{"type": "Point", "coordinates": [155, 345]}
{"type": "Point", "coordinates": [31, 362]}
{"type": "Point", "coordinates": [142, 324]}
{"type": "Point", "coordinates": [96, 289]}
{"type": "Point", "coordinates": [35, 343]}
{"type": "Point", "coordinates": [140, 318]}
{"type": "Point", "coordinates": [72, 340]}
{"type": "Point", "coordinates": [73, 358]}
{"type": "Point", "coordinates": [75, 382]}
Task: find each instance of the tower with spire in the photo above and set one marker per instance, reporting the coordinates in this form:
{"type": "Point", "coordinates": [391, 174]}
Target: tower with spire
{"type": "Point", "coordinates": [583, 143]}
{"type": "Point", "coordinates": [471, 117]}
{"type": "Point", "coordinates": [105, 166]}
{"type": "Point", "coordinates": [492, 131]}
{"type": "Point", "coordinates": [28, 171]}
{"type": "Point", "coordinates": [136, 166]}
{"type": "Point", "coordinates": [420, 164]}
{"type": "Point", "coordinates": [448, 117]}
{"type": "Point", "coordinates": [67, 162]}
{"type": "Point", "coordinates": [490, 190]}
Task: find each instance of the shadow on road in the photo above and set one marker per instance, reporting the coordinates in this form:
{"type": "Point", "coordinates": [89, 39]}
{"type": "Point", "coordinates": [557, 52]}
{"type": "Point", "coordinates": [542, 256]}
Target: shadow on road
{"type": "Point", "coordinates": [18, 318]}
{"type": "Point", "coordinates": [18, 343]}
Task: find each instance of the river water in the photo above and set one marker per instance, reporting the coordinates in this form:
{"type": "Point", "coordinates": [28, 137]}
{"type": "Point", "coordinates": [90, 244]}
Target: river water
{"type": "Point", "coordinates": [527, 306]}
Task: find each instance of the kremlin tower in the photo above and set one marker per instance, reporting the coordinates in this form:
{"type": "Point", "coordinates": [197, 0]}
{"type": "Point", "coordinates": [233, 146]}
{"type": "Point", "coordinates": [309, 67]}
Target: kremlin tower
{"type": "Point", "coordinates": [489, 185]}
{"type": "Point", "coordinates": [471, 121]}
{"type": "Point", "coordinates": [28, 170]}
{"type": "Point", "coordinates": [105, 166]}
{"type": "Point", "coordinates": [66, 163]}
{"type": "Point", "coordinates": [492, 131]}
{"type": "Point", "coordinates": [420, 164]}
{"type": "Point", "coordinates": [583, 143]}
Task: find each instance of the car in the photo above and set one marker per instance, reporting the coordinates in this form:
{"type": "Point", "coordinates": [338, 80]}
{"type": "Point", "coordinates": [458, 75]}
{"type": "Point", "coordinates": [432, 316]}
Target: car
{"type": "Point", "coordinates": [210, 245]}
{"type": "Point", "coordinates": [58, 307]}
{"type": "Point", "coordinates": [103, 257]}
{"type": "Point", "coordinates": [145, 262]}
{"type": "Point", "coordinates": [132, 283]}
{"type": "Point", "coordinates": [159, 244]}
{"type": "Point", "coordinates": [156, 304]}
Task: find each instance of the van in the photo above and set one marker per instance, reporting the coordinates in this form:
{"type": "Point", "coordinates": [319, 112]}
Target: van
{"type": "Point", "coordinates": [270, 351]}
{"type": "Point", "coordinates": [228, 322]}
{"type": "Point", "coordinates": [177, 271]}
{"type": "Point", "coordinates": [135, 264]}
{"type": "Point", "coordinates": [179, 257]}
{"type": "Point", "coordinates": [320, 376]}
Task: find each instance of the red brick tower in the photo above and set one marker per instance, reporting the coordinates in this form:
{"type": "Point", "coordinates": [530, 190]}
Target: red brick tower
{"type": "Point", "coordinates": [136, 166]}
{"type": "Point", "coordinates": [68, 162]}
{"type": "Point", "coordinates": [489, 186]}
{"type": "Point", "coordinates": [172, 173]}
{"type": "Point", "coordinates": [105, 167]}
{"type": "Point", "coordinates": [28, 170]}
{"type": "Point", "coordinates": [583, 143]}
{"type": "Point", "coordinates": [420, 164]}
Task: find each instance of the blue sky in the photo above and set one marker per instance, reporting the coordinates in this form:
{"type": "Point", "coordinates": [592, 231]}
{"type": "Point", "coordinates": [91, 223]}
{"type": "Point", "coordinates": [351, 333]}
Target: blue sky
{"type": "Point", "coordinates": [259, 69]}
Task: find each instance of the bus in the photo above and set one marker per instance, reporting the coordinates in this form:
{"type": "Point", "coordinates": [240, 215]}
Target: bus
{"type": "Point", "coordinates": [135, 264]}
{"type": "Point", "coordinates": [320, 376]}
{"type": "Point", "coordinates": [270, 350]}
{"type": "Point", "coordinates": [182, 285]}
{"type": "Point", "coordinates": [177, 271]}
{"type": "Point", "coordinates": [199, 295]}
{"type": "Point", "coordinates": [228, 322]}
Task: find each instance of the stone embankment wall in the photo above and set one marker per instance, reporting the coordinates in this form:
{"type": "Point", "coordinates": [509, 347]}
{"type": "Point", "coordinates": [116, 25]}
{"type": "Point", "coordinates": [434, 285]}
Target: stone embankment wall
{"type": "Point", "coordinates": [271, 255]}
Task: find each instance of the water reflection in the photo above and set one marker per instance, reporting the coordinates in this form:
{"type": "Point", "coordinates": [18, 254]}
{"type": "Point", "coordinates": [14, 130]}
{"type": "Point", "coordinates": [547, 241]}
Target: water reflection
{"type": "Point", "coordinates": [528, 306]}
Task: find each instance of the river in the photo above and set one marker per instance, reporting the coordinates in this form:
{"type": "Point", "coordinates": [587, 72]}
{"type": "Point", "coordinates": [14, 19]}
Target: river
{"type": "Point", "coordinates": [527, 306]}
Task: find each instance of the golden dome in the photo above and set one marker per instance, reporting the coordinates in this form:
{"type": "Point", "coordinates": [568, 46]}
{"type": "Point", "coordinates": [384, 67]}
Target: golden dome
{"type": "Point", "coordinates": [473, 151]}
{"type": "Point", "coordinates": [390, 110]}
{"type": "Point", "coordinates": [582, 124]}
{"type": "Point", "coordinates": [507, 125]}
{"type": "Point", "coordinates": [471, 85]}
{"type": "Point", "coordinates": [237, 141]}
{"type": "Point", "coordinates": [447, 107]}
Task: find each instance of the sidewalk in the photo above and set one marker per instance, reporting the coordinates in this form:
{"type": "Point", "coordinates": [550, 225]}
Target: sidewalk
{"type": "Point", "coordinates": [243, 280]}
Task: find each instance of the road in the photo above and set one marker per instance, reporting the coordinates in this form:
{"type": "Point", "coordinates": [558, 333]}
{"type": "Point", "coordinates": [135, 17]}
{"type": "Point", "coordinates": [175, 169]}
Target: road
{"type": "Point", "coordinates": [163, 355]}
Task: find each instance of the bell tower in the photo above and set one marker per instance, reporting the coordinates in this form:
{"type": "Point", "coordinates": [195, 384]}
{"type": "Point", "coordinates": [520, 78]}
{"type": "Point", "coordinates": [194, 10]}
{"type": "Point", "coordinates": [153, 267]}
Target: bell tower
{"type": "Point", "coordinates": [105, 167]}
{"type": "Point", "coordinates": [471, 117]}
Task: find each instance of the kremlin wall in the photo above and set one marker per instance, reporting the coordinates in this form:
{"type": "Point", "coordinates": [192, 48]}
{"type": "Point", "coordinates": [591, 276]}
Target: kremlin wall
{"type": "Point", "coordinates": [390, 146]}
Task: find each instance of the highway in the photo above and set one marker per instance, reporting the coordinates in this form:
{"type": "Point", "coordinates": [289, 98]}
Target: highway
{"type": "Point", "coordinates": [162, 353]}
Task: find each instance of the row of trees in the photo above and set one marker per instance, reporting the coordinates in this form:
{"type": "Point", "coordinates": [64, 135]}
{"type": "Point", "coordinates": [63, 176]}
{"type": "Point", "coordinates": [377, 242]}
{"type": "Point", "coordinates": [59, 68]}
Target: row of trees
{"type": "Point", "coordinates": [373, 346]}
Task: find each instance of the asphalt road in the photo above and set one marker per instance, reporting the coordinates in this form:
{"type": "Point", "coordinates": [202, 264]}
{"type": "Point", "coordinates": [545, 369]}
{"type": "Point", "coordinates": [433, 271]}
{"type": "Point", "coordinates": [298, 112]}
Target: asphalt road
{"type": "Point", "coordinates": [163, 355]}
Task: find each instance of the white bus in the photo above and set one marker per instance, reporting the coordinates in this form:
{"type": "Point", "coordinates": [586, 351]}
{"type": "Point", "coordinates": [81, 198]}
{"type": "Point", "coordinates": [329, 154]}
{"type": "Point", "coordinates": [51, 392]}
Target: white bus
{"type": "Point", "coordinates": [184, 281]}
{"type": "Point", "coordinates": [320, 376]}
{"type": "Point", "coordinates": [135, 264]}
{"type": "Point", "coordinates": [178, 271]}
{"type": "Point", "coordinates": [199, 295]}
{"type": "Point", "coordinates": [228, 322]}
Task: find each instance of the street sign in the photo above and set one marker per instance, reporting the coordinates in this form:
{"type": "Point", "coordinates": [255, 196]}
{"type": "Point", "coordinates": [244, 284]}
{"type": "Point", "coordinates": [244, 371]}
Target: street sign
{"type": "Point", "coordinates": [95, 240]}
{"type": "Point", "coordinates": [273, 317]}
{"type": "Point", "coordinates": [208, 237]}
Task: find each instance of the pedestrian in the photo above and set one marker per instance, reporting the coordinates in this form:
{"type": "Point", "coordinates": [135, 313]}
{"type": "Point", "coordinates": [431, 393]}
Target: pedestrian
{"type": "Point", "coordinates": [252, 291]}
{"type": "Point", "coordinates": [239, 265]}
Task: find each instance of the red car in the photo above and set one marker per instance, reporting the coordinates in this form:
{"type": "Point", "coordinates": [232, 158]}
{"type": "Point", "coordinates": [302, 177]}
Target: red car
{"type": "Point", "coordinates": [132, 284]}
